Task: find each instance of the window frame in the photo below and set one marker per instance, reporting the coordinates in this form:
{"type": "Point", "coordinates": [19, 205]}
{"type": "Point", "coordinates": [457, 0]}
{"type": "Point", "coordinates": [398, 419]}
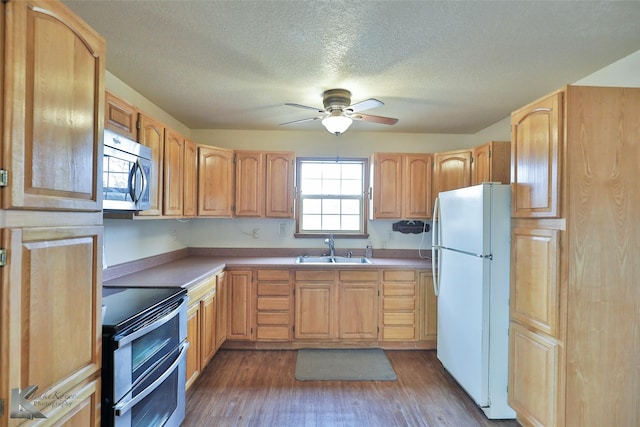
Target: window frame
{"type": "Point", "coordinates": [366, 192]}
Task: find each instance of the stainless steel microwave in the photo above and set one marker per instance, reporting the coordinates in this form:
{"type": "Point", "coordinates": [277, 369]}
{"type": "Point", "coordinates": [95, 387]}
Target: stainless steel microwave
{"type": "Point", "coordinates": [126, 173]}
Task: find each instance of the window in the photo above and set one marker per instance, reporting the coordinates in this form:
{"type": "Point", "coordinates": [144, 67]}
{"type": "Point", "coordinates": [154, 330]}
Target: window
{"type": "Point", "coordinates": [331, 196]}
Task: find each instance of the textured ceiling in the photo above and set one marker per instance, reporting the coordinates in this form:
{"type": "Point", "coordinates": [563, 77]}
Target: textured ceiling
{"type": "Point", "coordinates": [440, 67]}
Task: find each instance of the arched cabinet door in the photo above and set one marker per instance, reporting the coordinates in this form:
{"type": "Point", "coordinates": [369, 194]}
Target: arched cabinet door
{"type": "Point", "coordinates": [53, 108]}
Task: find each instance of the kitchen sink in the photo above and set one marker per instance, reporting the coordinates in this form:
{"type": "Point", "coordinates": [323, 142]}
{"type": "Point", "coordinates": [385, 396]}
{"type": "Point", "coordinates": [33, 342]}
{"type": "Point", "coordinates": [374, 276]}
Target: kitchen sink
{"type": "Point", "coordinates": [332, 260]}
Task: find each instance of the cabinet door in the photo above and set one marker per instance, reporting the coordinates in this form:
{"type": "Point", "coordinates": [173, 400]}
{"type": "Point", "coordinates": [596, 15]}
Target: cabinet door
{"type": "Point", "coordinates": [279, 184]}
{"type": "Point", "coordinates": [387, 186]}
{"type": "Point", "coordinates": [120, 116]}
{"type": "Point", "coordinates": [452, 170]}
{"type": "Point", "coordinates": [173, 194]}
{"type": "Point", "coordinates": [314, 312]}
{"type": "Point", "coordinates": [194, 339]}
{"type": "Point", "coordinates": [533, 376]}
{"type": "Point", "coordinates": [535, 278]}
{"type": "Point", "coordinates": [190, 179]}
{"type": "Point", "coordinates": [51, 285]}
{"type": "Point", "coordinates": [215, 182]}
{"type": "Point", "coordinates": [358, 311]}
{"type": "Point", "coordinates": [208, 327]}
{"type": "Point", "coordinates": [536, 133]}
{"type": "Point", "coordinates": [240, 319]}
{"type": "Point", "coordinates": [221, 309]}
{"type": "Point", "coordinates": [53, 108]}
{"type": "Point", "coordinates": [427, 308]}
{"type": "Point", "coordinates": [151, 134]}
{"type": "Point", "coordinates": [250, 184]}
{"type": "Point", "coordinates": [418, 200]}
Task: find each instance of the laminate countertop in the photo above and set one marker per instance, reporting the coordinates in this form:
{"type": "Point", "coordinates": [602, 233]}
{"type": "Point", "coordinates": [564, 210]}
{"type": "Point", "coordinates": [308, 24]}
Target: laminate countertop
{"type": "Point", "coordinates": [186, 272]}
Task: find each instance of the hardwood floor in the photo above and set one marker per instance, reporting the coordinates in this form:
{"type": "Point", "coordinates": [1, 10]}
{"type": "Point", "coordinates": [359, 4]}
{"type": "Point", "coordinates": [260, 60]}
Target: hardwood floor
{"type": "Point", "coordinates": [258, 388]}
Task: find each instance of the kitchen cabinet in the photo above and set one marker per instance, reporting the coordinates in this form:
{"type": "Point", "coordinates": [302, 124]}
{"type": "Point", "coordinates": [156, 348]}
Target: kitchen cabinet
{"type": "Point", "coordinates": [120, 116]}
{"type": "Point", "coordinates": [240, 305]}
{"type": "Point", "coordinates": [398, 317]}
{"type": "Point", "coordinates": [574, 300]}
{"type": "Point", "coordinates": [452, 170]}
{"type": "Point", "coordinates": [358, 305]}
{"type": "Point", "coordinates": [201, 327]}
{"type": "Point", "coordinates": [491, 162]}
{"type": "Point", "coordinates": [274, 305]}
{"type": "Point", "coordinates": [190, 199]}
{"type": "Point", "coordinates": [221, 309]}
{"type": "Point", "coordinates": [401, 186]}
{"type": "Point", "coordinates": [51, 219]}
{"type": "Point", "coordinates": [427, 326]}
{"type": "Point", "coordinates": [264, 184]}
{"type": "Point", "coordinates": [151, 134]}
{"type": "Point", "coordinates": [315, 304]}
{"type": "Point", "coordinates": [173, 174]}
{"type": "Point", "coordinates": [215, 182]}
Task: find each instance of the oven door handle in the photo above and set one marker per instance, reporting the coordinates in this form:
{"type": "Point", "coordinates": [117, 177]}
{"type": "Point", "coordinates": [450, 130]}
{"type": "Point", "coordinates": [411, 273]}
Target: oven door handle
{"type": "Point", "coordinates": [124, 407]}
{"type": "Point", "coordinates": [150, 327]}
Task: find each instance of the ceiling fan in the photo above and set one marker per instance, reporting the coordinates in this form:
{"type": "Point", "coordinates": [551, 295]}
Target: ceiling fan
{"type": "Point", "coordinates": [339, 113]}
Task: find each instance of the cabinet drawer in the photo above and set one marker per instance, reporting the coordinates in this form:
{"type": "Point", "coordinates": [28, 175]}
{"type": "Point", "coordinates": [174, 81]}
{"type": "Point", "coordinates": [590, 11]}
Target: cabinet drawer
{"type": "Point", "coordinates": [199, 290]}
{"type": "Point", "coordinates": [273, 303]}
{"type": "Point", "coordinates": [399, 318]}
{"type": "Point", "coordinates": [315, 275]}
{"type": "Point", "coordinates": [274, 289]}
{"type": "Point", "coordinates": [405, 333]}
{"type": "Point", "coordinates": [281, 318]}
{"type": "Point", "coordinates": [399, 303]}
{"type": "Point", "coordinates": [399, 275]}
{"type": "Point", "coordinates": [358, 276]}
{"type": "Point", "coordinates": [276, 333]}
{"type": "Point", "coordinates": [399, 289]}
{"type": "Point", "coordinates": [279, 275]}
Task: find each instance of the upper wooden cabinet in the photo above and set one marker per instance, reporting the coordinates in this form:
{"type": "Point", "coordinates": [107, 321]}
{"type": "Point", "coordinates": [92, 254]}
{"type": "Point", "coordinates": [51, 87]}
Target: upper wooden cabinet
{"type": "Point", "coordinates": [190, 204]}
{"type": "Point", "coordinates": [120, 116]}
{"type": "Point", "coordinates": [173, 179]}
{"type": "Point", "coordinates": [401, 186]}
{"type": "Point", "coordinates": [264, 184]}
{"type": "Point", "coordinates": [215, 181]}
{"type": "Point", "coordinates": [452, 170]}
{"type": "Point", "coordinates": [151, 134]}
{"type": "Point", "coordinates": [53, 104]}
{"type": "Point", "coordinates": [536, 132]}
{"type": "Point", "coordinates": [491, 163]}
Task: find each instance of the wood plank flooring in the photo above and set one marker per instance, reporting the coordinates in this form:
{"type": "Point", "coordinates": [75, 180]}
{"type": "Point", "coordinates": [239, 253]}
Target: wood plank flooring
{"type": "Point", "coordinates": [258, 388]}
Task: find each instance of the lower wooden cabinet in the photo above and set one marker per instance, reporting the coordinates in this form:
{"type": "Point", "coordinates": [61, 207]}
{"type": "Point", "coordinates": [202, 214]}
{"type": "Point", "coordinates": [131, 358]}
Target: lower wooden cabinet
{"type": "Point", "coordinates": [240, 305]}
{"type": "Point", "coordinates": [358, 305]}
{"type": "Point", "coordinates": [274, 305]}
{"type": "Point", "coordinates": [398, 317]}
{"type": "Point", "coordinates": [201, 327]}
{"type": "Point", "coordinates": [221, 308]}
{"type": "Point", "coordinates": [315, 304]}
{"type": "Point", "coordinates": [427, 326]}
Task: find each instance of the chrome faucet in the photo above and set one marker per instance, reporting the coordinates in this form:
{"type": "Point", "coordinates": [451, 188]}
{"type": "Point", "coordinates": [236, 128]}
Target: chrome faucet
{"type": "Point", "coordinates": [329, 241]}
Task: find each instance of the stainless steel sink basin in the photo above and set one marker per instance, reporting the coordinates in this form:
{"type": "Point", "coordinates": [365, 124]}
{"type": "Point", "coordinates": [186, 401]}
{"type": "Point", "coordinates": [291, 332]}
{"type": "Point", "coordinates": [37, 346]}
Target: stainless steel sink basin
{"type": "Point", "coordinates": [332, 260]}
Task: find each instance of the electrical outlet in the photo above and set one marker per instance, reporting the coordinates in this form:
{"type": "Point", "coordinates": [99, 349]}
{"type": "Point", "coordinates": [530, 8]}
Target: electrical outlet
{"type": "Point", "coordinates": [282, 229]}
{"type": "Point", "coordinates": [256, 233]}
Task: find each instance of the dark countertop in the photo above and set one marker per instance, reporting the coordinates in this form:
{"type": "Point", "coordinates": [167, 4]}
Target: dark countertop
{"type": "Point", "coordinates": [188, 271]}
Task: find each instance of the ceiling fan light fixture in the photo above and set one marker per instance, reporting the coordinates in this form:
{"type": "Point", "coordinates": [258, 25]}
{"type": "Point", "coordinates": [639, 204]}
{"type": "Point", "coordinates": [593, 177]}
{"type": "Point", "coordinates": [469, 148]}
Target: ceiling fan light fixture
{"type": "Point", "coordinates": [337, 124]}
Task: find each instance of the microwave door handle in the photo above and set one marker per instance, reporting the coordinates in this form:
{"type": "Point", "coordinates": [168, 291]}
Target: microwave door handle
{"type": "Point", "coordinates": [156, 324]}
{"type": "Point", "coordinates": [132, 179]}
{"type": "Point", "coordinates": [123, 407]}
{"type": "Point", "coordinates": [143, 181]}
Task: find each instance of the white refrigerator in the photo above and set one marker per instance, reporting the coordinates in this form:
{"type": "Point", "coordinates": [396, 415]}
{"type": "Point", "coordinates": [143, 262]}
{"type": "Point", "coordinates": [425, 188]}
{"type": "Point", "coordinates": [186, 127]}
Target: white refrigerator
{"type": "Point", "coordinates": [470, 252]}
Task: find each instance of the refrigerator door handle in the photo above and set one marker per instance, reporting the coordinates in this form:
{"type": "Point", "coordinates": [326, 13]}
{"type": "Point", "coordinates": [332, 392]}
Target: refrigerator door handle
{"type": "Point", "coordinates": [435, 247]}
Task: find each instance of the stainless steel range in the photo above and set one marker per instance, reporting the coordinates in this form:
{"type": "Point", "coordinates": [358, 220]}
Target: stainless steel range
{"type": "Point", "coordinates": [144, 356]}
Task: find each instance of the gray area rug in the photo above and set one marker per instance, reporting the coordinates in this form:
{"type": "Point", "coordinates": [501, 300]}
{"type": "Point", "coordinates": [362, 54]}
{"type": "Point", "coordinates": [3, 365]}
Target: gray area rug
{"type": "Point", "coordinates": [370, 364]}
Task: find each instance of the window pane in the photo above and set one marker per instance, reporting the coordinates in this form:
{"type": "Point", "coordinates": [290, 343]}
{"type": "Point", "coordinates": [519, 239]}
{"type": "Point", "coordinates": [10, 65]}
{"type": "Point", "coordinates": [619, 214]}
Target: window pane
{"type": "Point", "coordinates": [331, 206]}
{"type": "Point", "coordinates": [312, 206]}
{"type": "Point", "coordinates": [331, 222]}
{"type": "Point", "coordinates": [350, 222]}
{"type": "Point", "coordinates": [311, 222]}
{"type": "Point", "coordinates": [351, 207]}
{"type": "Point", "coordinates": [351, 187]}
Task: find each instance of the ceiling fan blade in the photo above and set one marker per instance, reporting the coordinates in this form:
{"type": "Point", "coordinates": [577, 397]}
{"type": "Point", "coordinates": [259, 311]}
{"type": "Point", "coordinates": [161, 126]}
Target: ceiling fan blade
{"type": "Point", "coordinates": [365, 105]}
{"type": "Point", "coordinates": [301, 120]}
{"type": "Point", "coordinates": [374, 119]}
{"type": "Point", "coordinates": [306, 107]}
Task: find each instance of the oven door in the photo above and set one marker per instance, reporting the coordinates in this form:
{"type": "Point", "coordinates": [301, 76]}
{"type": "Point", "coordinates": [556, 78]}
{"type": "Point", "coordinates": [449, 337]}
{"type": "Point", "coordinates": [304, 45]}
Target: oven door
{"type": "Point", "coordinates": [139, 350]}
{"type": "Point", "coordinates": [159, 398]}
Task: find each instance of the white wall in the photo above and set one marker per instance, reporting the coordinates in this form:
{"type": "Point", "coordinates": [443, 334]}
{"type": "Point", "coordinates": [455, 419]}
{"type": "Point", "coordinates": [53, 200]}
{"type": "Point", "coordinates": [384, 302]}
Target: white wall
{"type": "Point", "coordinates": [130, 240]}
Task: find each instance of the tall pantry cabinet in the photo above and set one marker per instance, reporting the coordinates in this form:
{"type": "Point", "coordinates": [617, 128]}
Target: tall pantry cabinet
{"type": "Point", "coordinates": [575, 298]}
{"type": "Point", "coordinates": [51, 217]}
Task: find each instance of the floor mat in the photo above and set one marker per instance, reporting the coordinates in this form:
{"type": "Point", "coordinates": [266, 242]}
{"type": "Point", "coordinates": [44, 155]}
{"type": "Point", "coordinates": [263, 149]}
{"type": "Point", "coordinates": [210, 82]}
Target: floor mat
{"type": "Point", "coordinates": [370, 364]}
